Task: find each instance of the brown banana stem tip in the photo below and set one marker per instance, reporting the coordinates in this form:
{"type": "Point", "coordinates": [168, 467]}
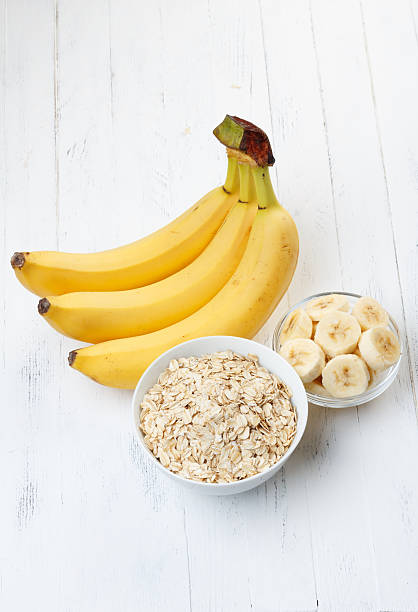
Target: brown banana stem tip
{"type": "Point", "coordinates": [71, 357]}
{"type": "Point", "coordinates": [244, 136]}
{"type": "Point", "coordinates": [17, 260]}
{"type": "Point", "coordinates": [43, 306]}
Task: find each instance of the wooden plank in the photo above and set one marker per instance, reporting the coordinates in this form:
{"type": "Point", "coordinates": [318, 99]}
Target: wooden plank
{"type": "Point", "coordinates": [238, 75]}
{"type": "Point", "coordinates": [395, 93]}
{"type": "Point", "coordinates": [362, 217]}
{"type": "Point", "coordinates": [30, 379]}
{"type": "Point", "coordinates": [392, 55]}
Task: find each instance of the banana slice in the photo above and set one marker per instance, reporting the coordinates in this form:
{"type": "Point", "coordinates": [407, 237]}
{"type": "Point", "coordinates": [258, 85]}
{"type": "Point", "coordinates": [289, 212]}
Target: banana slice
{"type": "Point", "coordinates": [345, 376]}
{"type": "Point", "coordinates": [379, 348]}
{"type": "Point", "coordinates": [305, 356]}
{"type": "Point", "coordinates": [319, 307]}
{"type": "Point", "coordinates": [297, 325]}
{"type": "Point", "coordinates": [316, 387]}
{"type": "Point", "coordinates": [369, 313]}
{"type": "Point", "coordinates": [337, 333]}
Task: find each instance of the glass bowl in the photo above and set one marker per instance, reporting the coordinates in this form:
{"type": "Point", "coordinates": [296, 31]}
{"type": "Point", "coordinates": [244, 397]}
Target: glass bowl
{"type": "Point", "coordinates": [380, 382]}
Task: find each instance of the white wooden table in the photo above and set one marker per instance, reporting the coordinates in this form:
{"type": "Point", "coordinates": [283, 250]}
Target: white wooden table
{"type": "Point", "coordinates": [106, 116]}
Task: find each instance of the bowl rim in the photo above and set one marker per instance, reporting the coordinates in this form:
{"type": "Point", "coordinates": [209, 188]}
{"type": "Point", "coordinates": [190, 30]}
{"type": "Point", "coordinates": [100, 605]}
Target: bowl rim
{"type": "Point", "coordinates": [371, 392]}
{"type": "Point", "coordinates": [302, 413]}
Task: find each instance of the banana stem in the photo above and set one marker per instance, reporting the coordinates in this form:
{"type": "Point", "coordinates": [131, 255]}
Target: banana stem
{"type": "Point", "coordinates": [246, 138]}
{"type": "Point", "coordinates": [246, 183]}
{"type": "Point", "coordinates": [231, 182]}
{"type": "Point", "coordinates": [266, 197]}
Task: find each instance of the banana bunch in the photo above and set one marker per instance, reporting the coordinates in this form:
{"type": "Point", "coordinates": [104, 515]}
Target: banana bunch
{"type": "Point", "coordinates": [219, 269]}
{"type": "Point", "coordinates": [347, 350]}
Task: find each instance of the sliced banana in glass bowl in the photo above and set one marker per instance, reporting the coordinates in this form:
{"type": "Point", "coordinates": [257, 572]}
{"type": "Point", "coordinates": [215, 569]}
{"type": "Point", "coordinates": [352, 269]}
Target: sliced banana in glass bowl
{"type": "Point", "coordinates": [346, 348]}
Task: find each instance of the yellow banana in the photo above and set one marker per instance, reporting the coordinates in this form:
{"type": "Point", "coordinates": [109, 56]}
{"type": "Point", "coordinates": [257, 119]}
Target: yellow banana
{"type": "Point", "coordinates": [140, 263]}
{"type": "Point", "coordinates": [240, 308]}
{"type": "Point", "coordinates": [99, 316]}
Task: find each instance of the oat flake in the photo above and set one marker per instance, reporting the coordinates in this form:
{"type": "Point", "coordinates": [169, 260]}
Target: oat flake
{"type": "Point", "coordinates": [218, 418]}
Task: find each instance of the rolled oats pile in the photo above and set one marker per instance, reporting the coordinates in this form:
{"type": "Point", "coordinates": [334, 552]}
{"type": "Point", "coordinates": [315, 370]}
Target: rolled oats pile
{"type": "Point", "coordinates": [218, 418]}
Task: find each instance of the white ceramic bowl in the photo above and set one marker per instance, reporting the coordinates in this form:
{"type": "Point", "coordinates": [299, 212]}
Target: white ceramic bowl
{"type": "Point", "coordinates": [380, 382]}
{"type": "Point", "coordinates": [211, 344]}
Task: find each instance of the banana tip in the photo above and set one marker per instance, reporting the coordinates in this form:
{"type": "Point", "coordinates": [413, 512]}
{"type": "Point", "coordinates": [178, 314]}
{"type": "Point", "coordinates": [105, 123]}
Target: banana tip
{"type": "Point", "coordinates": [17, 260]}
{"type": "Point", "coordinates": [71, 357]}
{"type": "Point", "coordinates": [43, 306]}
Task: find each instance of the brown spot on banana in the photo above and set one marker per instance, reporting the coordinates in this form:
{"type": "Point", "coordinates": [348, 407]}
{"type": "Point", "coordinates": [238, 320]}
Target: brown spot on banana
{"type": "Point", "coordinates": [18, 260]}
{"type": "Point", "coordinates": [43, 306]}
{"type": "Point", "coordinates": [71, 357]}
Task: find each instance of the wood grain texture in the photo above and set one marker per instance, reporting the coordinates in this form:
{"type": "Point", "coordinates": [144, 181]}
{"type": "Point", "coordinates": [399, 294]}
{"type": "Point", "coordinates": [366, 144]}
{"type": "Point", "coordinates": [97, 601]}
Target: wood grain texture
{"type": "Point", "coordinates": [106, 114]}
